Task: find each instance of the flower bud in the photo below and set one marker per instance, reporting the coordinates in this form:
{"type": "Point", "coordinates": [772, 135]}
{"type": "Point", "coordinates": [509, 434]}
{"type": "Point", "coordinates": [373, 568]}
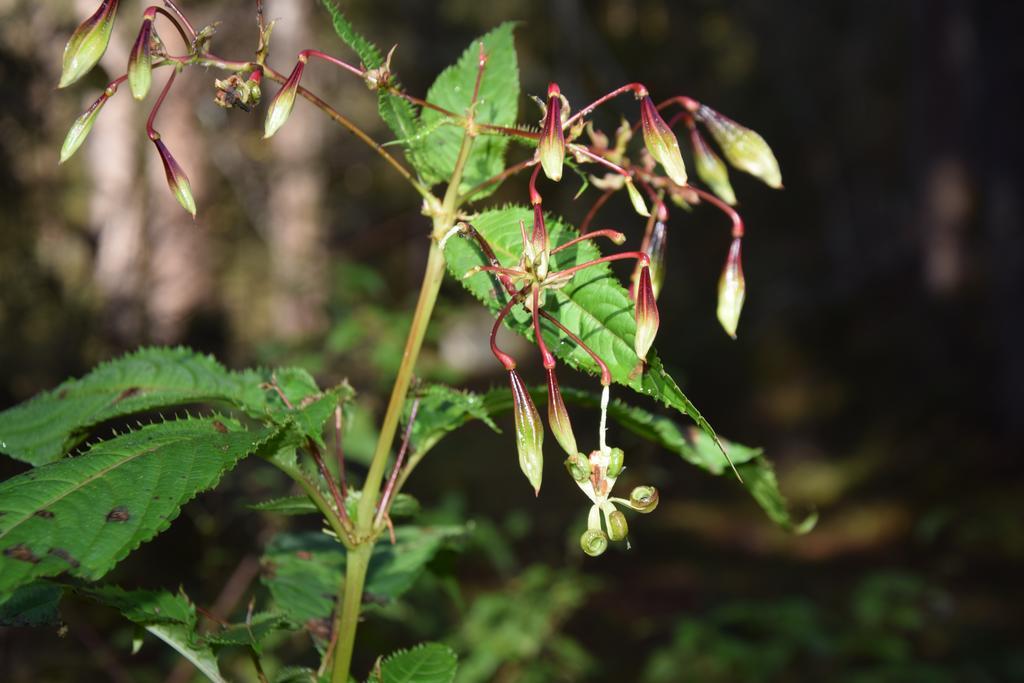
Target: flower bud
{"type": "Point", "coordinates": [176, 178]}
{"type": "Point", "coordinates": [88, 43]}
{"type": "Point", "coordinates": [656, 248]}
{"type": "Point", "coordinates": [615, 459]}
{"type": "Point", "coordinates": [538, 250]}
{"type": "Point", "coordinates": [711, 169]}
{"type": "Point", "coordinates": [638, 201]}
{"type": "Point", "coordinates": [558, 416]}
{"type": "Point", "coordinates": [731, 290]}
{"type": "Point", "coordinates": [529, 432]}
{"type": "Point", "coordinates": [578, 466]}
{"type": "Point", "coordinates": [661, 141]}
{"type": "Point", "coordinates": [83, 124]}
{"type": "Point", "coordinates": [647, 318]}
{"type": "Point", "coordinates": [281, 106]}
{"type": "Point", "coordinates": [140, 61]}
{"type": "Point", "coordinates": [594, 542]}
{"type": "Point", "coordinates": [644, 499]}
{"type": "Point", "coordinates": [551, 148]}
{"type": "Point", "coordinates": [743, 148]}
{"type": "Point", "coordinates": [618, 529]}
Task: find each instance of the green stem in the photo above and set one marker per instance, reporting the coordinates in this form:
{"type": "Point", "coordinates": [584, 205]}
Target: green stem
{"type": "Point", "coordinates": [366, 535]}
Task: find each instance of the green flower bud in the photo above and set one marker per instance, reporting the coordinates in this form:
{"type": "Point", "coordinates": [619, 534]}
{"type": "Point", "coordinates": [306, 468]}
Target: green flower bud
{"type": "Point", "coordinates": [281, 106]}
{"type": "Point", "coordinates": [731, 290]}
{"type": "Point", "coordinates": [615, 459]}
{"type": "Point", "coordinates": [594, 542]}
{"type": "Point", "coordinates": [647, 318]}
{"type": "Point", "coordinates": [579, 467]}
{"type": "Point", "coordinates": [711, 169]}
{"type": "Point", "coordinates": [743, 148]}
{"type": "Point", "coordinates": [638, 201]}
{"type": "Point", "coordinates": [644, 499]}
{"type": "Point", "coordinates": [661, 142]}
{"type": "Point", "coordinates": [529, 432]}
{"type": "Point", "coordinates": [656, 248]}
{"type": "Point", "coordinates": [176, 178]}
{"type": "Point", "coordinates": [551, 147]}
{"type": "Point", "coordinates": [618, 529]}
{"type": "Point", "coordinates": [140, 61]}
{"type": "Point", "coordinates": [83, 124]}
{"type": "Point", "coordinates": [88, 43]}
{"type": "Point", "coordinates": [558, 417]}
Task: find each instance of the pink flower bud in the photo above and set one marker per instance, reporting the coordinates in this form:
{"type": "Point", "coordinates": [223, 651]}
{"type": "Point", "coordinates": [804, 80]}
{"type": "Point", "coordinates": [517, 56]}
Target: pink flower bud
{"type": "Point", "coordinates": [711, 169]}
{"type": "Point", "coordinates": [281, 106]}
{"type": "Point", "coordinates": [558, 417]}
{"type": "Point", "coordinates": [140, 61]}
{"type": "Point", "coordinates": [731, 290]}
{"type": "Point", "coordinates": [743, 148]}
{"type": "Point", "coordinates": [551, 148]}
{"type": "Point", "coordinates": [83, 125]}
{"type": "Point", "coordinates": [529, 432]}
{"type": "Point", "coordinates": [637, 199]}
{"type": "Point", "coordinates": [661, 141]}
{"type": "Point", "coordinates": [176, 178]}
{"type": "Point", "coordinates": [647, 319]}
{"type": "Point", "coordinates": [88, 43]}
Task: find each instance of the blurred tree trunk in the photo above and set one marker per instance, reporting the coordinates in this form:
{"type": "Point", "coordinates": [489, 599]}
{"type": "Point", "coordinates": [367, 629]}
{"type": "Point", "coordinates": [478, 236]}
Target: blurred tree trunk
{"type": "Point", "coordinates": [298, 260]}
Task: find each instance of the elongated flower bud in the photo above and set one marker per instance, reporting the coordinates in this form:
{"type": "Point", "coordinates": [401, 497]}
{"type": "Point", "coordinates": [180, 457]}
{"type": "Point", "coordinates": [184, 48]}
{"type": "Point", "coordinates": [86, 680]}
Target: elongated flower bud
{"type": "Point", "coordinates": [281, 106]}
{"type": "Point", "coordinates": [656, 248]}
{"type": "Point", "coordinates": [594, 542]}
{"type": "Point", "coordinates": [558, 416]}
{"type": "Point", "coordinates": [644, 499]}
{"type": "Point", "coordinates": [638, 201]}
{"type": "Point", "coordinates": [731, 290]}
{"type": "Point", "coordinates": [140, 62]}
{"type": "Point", "coordinates": [88, 43]}
{"type": "Point", "coordinates": [618, 529]}
{"type": "Point", "coordinates": [647, 318]}
{"type": "Point", "coordinates": [551, 148]}
{"type": "Point", "coordinates": [83, 124]}
{"type": "Point", "coordinates": [743, 148]}
{"type": "Point", "coordinates": [539, 248]}
{"type": "Point", "coordinates": [711, 169]}
{"type": "Point", "coordinates": [529, 432]}
{"type": "Point", "coordinates": [176, 178]}
{"type": "Point", "coordinates": [661, 141]}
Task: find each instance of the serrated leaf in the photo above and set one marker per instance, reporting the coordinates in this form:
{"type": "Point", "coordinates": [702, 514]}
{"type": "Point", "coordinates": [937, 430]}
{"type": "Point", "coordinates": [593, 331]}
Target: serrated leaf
{"type": "Point", "coordinates": [498, 104]}
{"type": "Point", "coordinates": [34, 604]}
{"type": "Point", "coordinates": [367, 51]}
{"type": "Point", "coordinates": [170, 617]}
{"type": "Point", "coordinates": [250, 634]}
{"type": "Point", "coordinates": [83, 515]}
{"type": "Point", "coordinates": [425, 663]}
{"type": "Point", "coordinates": [594, 305]}
{"type": "Point", "coordinates": [441, 410]}
{"type": "Point", "coordinates": [43, 429]}
{"type": "Point", "coordinates": [303, 570]}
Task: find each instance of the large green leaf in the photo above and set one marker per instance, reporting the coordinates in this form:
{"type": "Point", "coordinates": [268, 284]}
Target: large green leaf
{"type": "Point", "coordinates": [83, 515]}
{"type": "Point", "coordinates": [170, 617]}
{"type": "Point", "coordinates": [43, 429]}
{"type": "Point", "coordinates": [303, 570]}
{"type": "Point", "coordinates": [34, 604]}
{"type": "Point", "coordinates": [251, 633]}
{"type": "Point", "coordinates": [594, 305]}
{"type": "Point", "coordinates": [425, 663]}
{"type": "Point", "coordinates": [498, 104]}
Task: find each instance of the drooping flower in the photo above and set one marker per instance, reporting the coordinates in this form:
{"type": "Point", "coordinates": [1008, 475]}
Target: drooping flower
{"type": "Point", "coordinates": [140, 61]}
{"type": "Point", "coordinates": [88, 43]}
{"type": "Point", "coordinates": [731, 290]}
{"type": "Point", "coordinates": [647, 319]}
{"type": "Point", "coordinates": [711, 169]}
{"type": "Point", "coordinates": [80, 129]}
{"type": "Point", "coordinates": [558, 417]}
{"type": "Point", "coordinates": [176, 178]}
{"type": "Point", "coordinates": [661, 142]}
{"type": "Point", "coordinates": [529, 432]}
{"type": "Point", "coordinates": [281, 106]}
{"type": "Point", "coordinates": [551, 148]}
{"type": "Point", "coordinates": [743, 148]}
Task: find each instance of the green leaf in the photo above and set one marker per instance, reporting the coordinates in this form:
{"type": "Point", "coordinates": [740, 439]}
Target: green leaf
{"type": "Point", "coordinates": [425, 663]}
{"type": "Point", "coordinates": [46, 427]}
{"type": "Point", "coordinates": [367, 51]}
{"type": "Point", "coordinates": [594, 305]}
{"type": "Point", "coordinates": [250, 634]}
{"type": "Point", "coordinates": [34, 604]}
{"type": "Point", "coordinates": [171, 618]}
{"type": "Point", "coordinates": [303, 570]}
{"type": "Point", "coordinates": [443, 409]}
{"type": "Point", "coordinates": [83, 515]}
{"type": "Point", "coordinates": [498, 104]}
{"type": "Point", "coordinates": [404, 505]}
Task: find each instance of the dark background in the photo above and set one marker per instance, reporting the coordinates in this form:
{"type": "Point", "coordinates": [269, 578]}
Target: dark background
{"type": "Point", "coordinates": [878, 359]}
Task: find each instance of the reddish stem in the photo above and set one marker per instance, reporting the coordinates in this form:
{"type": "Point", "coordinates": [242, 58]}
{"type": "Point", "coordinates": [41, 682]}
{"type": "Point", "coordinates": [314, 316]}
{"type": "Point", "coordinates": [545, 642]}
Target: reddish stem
{"type": "Point", "coordinates": [184, 20]}
{"type": "Point", "coordinates": [637, 89]}
{"type": "Point", "coordinates": [150, 131]}
{"type": "Point", "coordinates": [644, 258]}
{"type": "Point", "coordinates": [339, 502]}
{"type": "Point", "coordinates": [385, 498]}
{"type": "Point", "coordinates": [613, 235]}
{"type": "Point", "coordinates": [339, 453]}
{"type": "Point", "coordinates": [546, 357]}
{"type": "Point", "coordinates": [305, 54]}
{"type": "Point", "coordinates": [597, 158]}
{"type": "Point", "coordinates": [734, 216]}
{"type": "Point", "coordinates": [508, 361]}
{"type": "Point", "coordinates": [606, 375]}
{"type": "Point", "coordinates": [508, 172]}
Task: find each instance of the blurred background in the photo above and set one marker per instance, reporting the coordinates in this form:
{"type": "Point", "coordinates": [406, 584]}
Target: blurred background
{"type": "Point", "coordinates": [878, 359]}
